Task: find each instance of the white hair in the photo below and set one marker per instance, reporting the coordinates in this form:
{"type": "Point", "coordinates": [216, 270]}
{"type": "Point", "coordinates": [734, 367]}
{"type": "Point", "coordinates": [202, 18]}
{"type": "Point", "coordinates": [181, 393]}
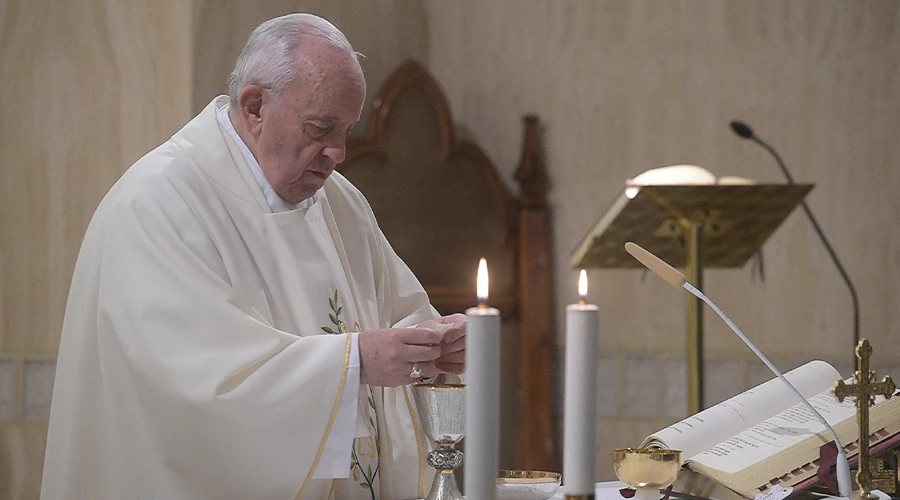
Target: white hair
{"type": "Point", "coordinates": [268, 58]}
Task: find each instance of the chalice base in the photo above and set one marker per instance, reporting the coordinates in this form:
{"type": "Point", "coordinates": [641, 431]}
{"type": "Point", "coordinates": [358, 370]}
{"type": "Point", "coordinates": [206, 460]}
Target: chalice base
{"type": "Point", "coordinates": [647, 494]}
{"type": "Point", "coordinates": [444, 487]}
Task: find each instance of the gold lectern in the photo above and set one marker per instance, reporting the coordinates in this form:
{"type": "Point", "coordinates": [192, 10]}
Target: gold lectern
{"type": "Point", "coordinates": [699, 225]}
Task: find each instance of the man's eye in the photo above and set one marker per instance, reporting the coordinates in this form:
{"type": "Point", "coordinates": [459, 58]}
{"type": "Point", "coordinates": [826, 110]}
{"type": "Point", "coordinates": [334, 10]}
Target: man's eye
{"type": "Point", "coordinates": [315, 131]}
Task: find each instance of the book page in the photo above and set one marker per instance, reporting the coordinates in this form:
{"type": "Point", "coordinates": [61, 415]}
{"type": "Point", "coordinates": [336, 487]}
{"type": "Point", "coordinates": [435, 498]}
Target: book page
{"type": "Point", "coordinates": [772, 435]}
{"type": "Point", "coordinates": [713, 425]}
{"type": "Point", "coordinates": [674, 175]}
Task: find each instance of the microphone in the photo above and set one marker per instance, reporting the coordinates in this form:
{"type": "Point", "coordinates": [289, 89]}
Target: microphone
{"type": "Point", "coordinates": [675, 278]}
{"type": "Point", "coordinates": [745, 132]}
{"type": "Point", "coordinates": [741, 129]}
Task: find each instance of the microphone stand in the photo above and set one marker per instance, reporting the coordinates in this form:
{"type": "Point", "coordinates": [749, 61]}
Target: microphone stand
{"type": "Point", "coordinates": [746, 132]}
{"type": "Point", "coordinates": [676, 279]}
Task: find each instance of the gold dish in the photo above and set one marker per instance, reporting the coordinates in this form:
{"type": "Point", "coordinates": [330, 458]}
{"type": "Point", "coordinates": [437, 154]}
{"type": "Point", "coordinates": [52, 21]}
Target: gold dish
{"type": "Point", "coordinates": [527, 484]}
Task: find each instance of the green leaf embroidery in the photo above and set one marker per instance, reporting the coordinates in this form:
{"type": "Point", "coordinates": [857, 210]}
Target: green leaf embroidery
{"type": "Point", "coordinates": [356, 468]}
{"type": "Point", "coordinates": [335, 316]}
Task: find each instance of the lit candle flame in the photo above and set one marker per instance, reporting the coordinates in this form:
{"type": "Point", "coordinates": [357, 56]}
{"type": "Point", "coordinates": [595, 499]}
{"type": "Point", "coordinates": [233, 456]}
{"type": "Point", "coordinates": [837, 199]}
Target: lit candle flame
{"type": "Point", "coordinates": [582, 286]}
{"type": "Point", "coordinates": [482, 283]}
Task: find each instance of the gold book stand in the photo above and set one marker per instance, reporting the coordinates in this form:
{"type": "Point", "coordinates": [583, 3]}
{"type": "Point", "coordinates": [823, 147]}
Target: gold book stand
{"type": "Point", "coordinates": [698, 225]}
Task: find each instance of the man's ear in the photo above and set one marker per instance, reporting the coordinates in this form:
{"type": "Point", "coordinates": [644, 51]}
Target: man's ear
{"type": "Point", "coordinates": [251, 101]}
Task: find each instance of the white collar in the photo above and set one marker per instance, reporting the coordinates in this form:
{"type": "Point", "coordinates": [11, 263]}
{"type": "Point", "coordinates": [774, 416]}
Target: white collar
{"type": "Point", "coordinates": [276, 202]}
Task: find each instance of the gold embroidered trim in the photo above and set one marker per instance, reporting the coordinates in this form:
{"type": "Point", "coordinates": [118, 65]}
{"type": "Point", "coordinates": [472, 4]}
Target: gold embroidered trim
{"type": "Point", "coordinates": [413, 415]}
{"type": "Point", "coordinates": [337, 404]}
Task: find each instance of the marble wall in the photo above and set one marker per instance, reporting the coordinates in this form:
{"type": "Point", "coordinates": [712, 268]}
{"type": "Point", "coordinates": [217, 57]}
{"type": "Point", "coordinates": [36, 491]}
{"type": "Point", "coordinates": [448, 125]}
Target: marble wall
{"type": "Point", "coordinates": [626, 85]}
{"type": "Point", "coordinates": [620, 85]}
{"type": "Point", "coordinates": [88, 87]}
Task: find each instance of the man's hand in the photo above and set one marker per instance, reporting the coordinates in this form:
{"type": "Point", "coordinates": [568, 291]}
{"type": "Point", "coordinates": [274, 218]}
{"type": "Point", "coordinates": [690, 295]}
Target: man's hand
{"type": "Point", "coordinates": [386, 357]}
{"type": "Point", "coordinates": [453, 346]}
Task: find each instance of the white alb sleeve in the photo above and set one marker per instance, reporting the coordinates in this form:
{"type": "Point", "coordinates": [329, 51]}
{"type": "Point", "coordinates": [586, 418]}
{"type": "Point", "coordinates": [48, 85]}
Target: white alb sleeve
{"type": "Point", "coordinates": [335, 459]}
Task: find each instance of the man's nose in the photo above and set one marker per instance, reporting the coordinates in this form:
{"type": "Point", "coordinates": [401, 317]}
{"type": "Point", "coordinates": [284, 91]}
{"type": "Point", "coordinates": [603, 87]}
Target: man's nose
{"type": "Point", "coordinates": [336, 150]}
{"type": "Point", "coordinates": [336, 154]}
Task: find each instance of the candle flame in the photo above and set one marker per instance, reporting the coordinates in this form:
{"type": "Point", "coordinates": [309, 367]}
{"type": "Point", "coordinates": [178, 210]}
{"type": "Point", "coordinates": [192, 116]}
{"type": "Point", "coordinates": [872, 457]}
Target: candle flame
{"type": "Point", "coordinates": [582, 285]}
{"type": "Point", "coordinates": [482, 283]}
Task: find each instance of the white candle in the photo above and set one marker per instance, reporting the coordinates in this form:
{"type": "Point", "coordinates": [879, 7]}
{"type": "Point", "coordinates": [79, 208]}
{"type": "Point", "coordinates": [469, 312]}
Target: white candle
{"type": "Point", "coordinates": [580, 421]}
{"type": "Point", "coordinates": [482, 461]}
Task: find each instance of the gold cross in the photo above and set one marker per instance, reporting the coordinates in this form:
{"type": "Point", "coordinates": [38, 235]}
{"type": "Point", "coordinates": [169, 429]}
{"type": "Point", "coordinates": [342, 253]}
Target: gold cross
{"type": "Point", "coordinates": [864, 388]}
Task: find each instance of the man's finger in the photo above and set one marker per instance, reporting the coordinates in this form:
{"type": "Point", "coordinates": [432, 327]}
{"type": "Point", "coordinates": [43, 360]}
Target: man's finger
{"type": "Point", "coordinates": [456, 333]}
{"type": "Point", "coordinates": [426, 370]}
{"type": "Point", "coordinates": [419, 336]}
{"type": "Point", "coordinates": [418, 353]}
{"type": "Point", "coordinates": [453, 357]}
{"type": "Point", "coordinates": [457, 345]}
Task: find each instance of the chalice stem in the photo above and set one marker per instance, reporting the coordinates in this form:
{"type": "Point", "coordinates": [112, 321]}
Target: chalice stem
{"type": "Point", "coordinates": [445, 459]}
{"type": "Point", "coordinates": [647, 494]}
{"type": "Point", "coordinates": [444, 487]}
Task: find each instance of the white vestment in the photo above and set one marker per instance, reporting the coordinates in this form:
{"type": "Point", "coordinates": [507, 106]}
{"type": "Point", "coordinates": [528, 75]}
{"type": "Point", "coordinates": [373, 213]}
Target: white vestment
{"type": "Point", "coordinates": [195, 359]}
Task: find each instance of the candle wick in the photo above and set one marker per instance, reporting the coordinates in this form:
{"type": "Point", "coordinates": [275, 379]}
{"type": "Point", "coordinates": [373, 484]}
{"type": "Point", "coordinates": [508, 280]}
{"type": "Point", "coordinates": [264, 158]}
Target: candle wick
{"type": "Point", "coordinates": [582, 302]}
{"type": "Point", "coordinates": [482, 304]}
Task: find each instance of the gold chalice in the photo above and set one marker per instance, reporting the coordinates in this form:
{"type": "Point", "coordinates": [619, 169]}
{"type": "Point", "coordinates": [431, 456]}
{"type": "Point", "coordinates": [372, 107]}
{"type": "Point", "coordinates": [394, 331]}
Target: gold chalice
{"type": "Point", "coordinates": [647, 470]}
{"type": "Point", "coordinates": [442, 410]}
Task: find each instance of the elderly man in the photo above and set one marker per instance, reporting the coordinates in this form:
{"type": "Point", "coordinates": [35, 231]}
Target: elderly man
{"type": "Point", "coordinates": [238, 326]}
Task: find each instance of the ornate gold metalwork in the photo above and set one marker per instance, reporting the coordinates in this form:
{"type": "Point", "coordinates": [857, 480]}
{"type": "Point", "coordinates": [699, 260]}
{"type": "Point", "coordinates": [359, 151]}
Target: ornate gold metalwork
{"type": "Point", "coordinates": [883, 479]}
{"type": "Point", "coordinates": [897, 472]}
{"type": "Point", "coordinates": [694, 314]}
{"type": "Point", "coordinates": [864, 389]}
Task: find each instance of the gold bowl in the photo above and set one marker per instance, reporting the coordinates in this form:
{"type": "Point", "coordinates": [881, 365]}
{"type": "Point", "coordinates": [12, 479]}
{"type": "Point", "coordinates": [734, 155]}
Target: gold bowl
{"type": "Point", "coordinates": [527, 484]}
{"type": "Point", "coordinates": [647, 467]}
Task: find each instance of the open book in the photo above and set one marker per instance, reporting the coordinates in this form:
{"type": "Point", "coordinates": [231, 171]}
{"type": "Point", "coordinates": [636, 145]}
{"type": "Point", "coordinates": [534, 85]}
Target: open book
{"type": "Point", "coordinates": [683, 175]}
{"type": "Point", "coordinates": [764, 437]}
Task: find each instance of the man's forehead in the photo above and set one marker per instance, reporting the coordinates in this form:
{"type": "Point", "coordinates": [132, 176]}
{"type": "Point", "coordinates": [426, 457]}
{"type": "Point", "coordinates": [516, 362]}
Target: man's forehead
{"type": "Point", "coordinates": [328, 70]}
{"type": "Point", "coordinates": [337, 101]}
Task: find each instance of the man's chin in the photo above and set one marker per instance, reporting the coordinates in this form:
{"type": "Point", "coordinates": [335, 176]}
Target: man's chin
{"type": "Point", "coordinates": [304, 189]}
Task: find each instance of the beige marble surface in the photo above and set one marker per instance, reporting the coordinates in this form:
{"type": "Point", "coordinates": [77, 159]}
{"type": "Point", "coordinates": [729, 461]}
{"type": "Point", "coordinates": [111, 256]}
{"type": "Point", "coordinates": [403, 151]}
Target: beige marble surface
{"type": "Point", "coordinates": [88, 87]}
